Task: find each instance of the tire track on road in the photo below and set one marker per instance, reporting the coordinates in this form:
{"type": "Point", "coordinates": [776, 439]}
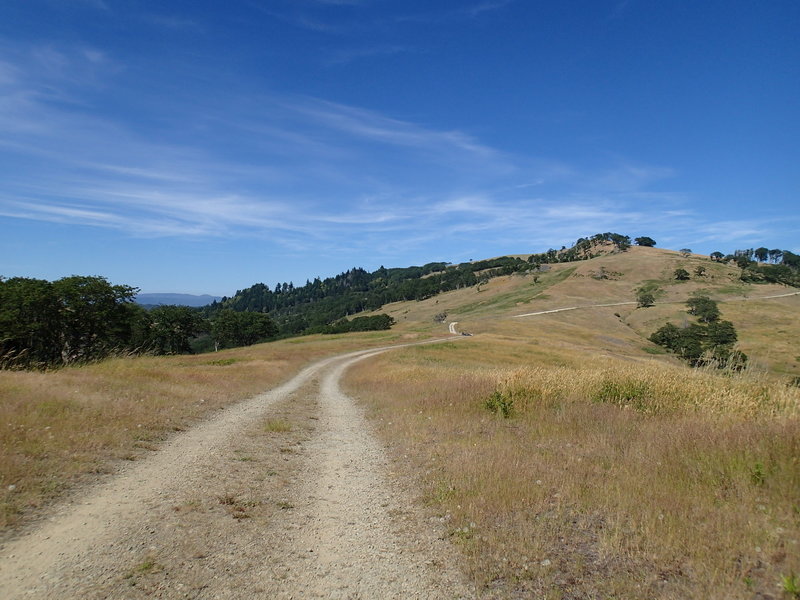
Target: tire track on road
{"type": "Point", "coordinates": [344, 489]}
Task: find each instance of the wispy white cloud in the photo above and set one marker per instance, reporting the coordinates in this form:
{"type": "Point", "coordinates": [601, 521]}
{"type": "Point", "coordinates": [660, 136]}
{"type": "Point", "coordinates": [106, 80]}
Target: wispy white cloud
{"type": "Point", "coordinates": [303, 172]}
{"type": "Point", "coordinates": [298, 17]}
{"type": "Point", "coordinates": [468, 11]}
{"type": "Point", "coordinates": [371, 126]}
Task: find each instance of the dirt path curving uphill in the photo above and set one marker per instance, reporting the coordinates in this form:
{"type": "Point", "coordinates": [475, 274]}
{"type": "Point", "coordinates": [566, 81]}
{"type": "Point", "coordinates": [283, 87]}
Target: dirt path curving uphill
{"type": "Point", "coordinates": [287, 495]}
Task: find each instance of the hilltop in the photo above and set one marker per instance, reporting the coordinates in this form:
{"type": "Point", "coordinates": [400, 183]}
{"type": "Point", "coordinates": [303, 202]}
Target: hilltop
{"type": "Point", "coordinates": [768, 328]}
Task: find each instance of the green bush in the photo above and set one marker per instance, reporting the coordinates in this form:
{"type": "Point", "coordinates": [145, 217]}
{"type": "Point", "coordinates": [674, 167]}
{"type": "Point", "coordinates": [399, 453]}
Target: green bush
{"type": "Point", "coordinates": [624, 392]}
{"type": "Point", "coordinates": [500, 404]}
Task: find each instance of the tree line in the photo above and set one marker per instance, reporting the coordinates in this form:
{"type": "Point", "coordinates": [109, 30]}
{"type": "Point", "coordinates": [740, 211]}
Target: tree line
{"type": "Point", "coordinates": [761, 265]}
{"type": "Point", "coordinates": [313, 307]}
{"type": "Point", "coordinates": [78, 319]}
{"type": "Point", "coordinates": [83, 318]}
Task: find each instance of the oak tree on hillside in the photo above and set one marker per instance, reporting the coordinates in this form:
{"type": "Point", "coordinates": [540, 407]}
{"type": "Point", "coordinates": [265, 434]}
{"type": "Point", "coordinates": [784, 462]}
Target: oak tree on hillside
{"type": "Point", "coordinates": [645, 298]}
{"type": "Point", "coordinates": [681, 274]}
{"type": "Point", "coordinates": [699, 344]}
{"type": "Point", "coordinates": [704, 308]}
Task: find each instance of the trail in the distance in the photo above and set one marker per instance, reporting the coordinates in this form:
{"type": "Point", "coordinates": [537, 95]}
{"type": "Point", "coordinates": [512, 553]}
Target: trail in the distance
{"type": "Point", "coordinates": [557, 310]}
{"type": "Point", "coordinates": [226, 510]}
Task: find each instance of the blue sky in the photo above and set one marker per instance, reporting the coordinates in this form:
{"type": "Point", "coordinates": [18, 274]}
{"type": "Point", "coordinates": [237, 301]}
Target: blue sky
{"type": "Point", "coordinates": [201, 146]}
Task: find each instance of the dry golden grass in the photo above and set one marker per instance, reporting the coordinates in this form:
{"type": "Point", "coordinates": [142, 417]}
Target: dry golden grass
{"type": "Point", "coordinates": [767, 329]}
{"type": "Point", "coordinates": [612, 479]}
{"type": "Point", "coordinates": [619, 474]}
{"type": "Point", "coordinates": [63, 427]}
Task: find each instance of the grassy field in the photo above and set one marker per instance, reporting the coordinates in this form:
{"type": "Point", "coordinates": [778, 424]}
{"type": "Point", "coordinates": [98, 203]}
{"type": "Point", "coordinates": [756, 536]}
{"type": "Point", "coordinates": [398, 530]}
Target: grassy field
{"type": "Point", "coordinates": [572, 458]}
{"type": "Point", "coordinates": [61, 428]}
{"type": "Point", "coordinates": [568, 456]}
{"type": "Point", "coordinates": [561, 476]}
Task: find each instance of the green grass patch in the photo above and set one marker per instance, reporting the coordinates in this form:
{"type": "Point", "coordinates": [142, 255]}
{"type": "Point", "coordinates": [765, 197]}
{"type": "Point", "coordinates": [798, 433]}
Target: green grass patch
{"type": "Point", "coordinates": [223, 362]}
{"type": "Point", "coordinates": [277, 426]}
{"type": "Point", "coordinates": [657, 350]}
{"type": "Point", "coordinates": [510, 300]}
{"type": "Point", "coordinates": [625, 392]}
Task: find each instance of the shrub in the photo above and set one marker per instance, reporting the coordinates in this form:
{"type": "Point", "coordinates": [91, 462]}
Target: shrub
{"type": "Point", "coordinates": [681, 274]}
{"type": "Point", "coordinates": [624, 392]}
{"type": "Point", "coordinates": [500, 404]}
{"type": "Point", "coordinates": [646, 295]}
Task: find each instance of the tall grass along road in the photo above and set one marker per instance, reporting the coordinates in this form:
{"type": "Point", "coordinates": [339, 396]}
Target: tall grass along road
{"type": "Point", "coordinates": [286, 495]}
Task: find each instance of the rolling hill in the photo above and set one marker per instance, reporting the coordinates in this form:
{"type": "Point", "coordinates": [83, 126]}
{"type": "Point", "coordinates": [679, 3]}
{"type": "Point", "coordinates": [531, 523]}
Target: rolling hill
{"type": "Point", "coordinates": [558, 450]}
{"type": "Point", "coordinates": [765, 315]}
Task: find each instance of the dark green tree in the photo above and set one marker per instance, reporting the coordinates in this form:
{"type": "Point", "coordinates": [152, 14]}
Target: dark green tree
{"type": "Point", "coordinates": [645, 241]}
{"type": "Point", "coordinates": [94, 318]}
{"type": "Point", "coordinates": [704, 308]}
{"type": "Point", "coordinates": [761, 254]}
{"type": "Point", "coordinates": [74, 319]}
{"type": "Point", "coordinates": [668, 336]}
{"type": "Point", "coordinates": [170, 328]}
{"type": "Point", "coordinates": [231, 329]}
{"type": "Point", "coordinates": [645, 298]}
{"type": "Point", "coordinates": [721, 333]}
{"type": "Point", "coordinates": [681, 274]}
{"type": "Point", "coordinates": [30, 323]}
{"type": "Point", "coordinates": [700, 344]}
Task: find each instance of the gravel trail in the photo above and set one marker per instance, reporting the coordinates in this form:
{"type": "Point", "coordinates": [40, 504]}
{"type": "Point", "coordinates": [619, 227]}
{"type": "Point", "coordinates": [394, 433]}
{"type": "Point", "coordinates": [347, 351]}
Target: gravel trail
{"type": "Point", "coordinates": [286, 495]}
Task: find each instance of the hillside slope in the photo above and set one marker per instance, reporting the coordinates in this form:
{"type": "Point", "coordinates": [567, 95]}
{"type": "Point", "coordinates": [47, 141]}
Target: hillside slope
{"type": "Point", "coordinates": [573, 458]}
{"type": "Point", "coordinates": [767, 329]}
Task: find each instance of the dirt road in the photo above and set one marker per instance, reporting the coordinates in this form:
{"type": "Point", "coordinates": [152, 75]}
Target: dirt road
{"type": "Point", "coordinates": [287, 495]}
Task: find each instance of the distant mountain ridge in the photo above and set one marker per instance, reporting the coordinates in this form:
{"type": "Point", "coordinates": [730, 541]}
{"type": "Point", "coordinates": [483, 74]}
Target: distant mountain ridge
{"type": "Point", "coordinates": [178, 299]}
